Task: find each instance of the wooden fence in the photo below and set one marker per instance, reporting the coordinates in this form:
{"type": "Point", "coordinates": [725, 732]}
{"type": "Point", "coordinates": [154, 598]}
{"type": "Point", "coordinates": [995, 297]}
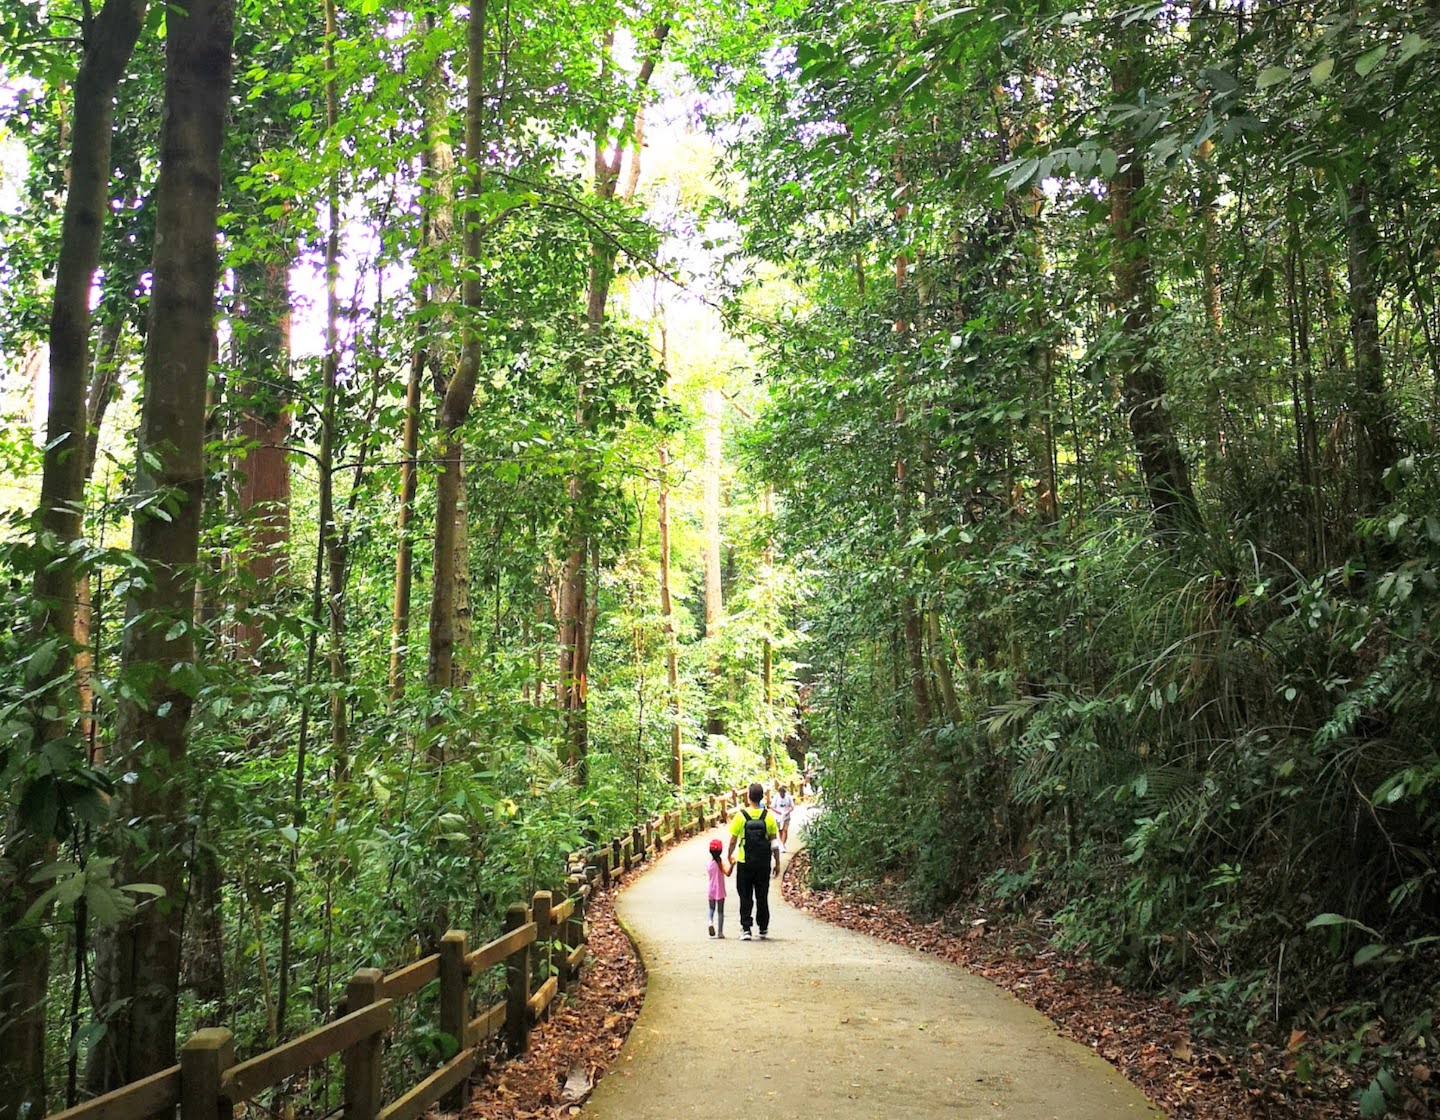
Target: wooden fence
{"type": "Point", "coordinates": [543, 951]}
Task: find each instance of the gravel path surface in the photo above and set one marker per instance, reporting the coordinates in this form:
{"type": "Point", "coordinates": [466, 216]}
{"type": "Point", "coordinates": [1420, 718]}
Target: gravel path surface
{"type": "Point", "coordinates": [821, 1022]}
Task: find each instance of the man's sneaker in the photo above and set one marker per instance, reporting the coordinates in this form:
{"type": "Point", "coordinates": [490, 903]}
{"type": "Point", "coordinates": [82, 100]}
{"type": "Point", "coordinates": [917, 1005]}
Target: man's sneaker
{"type": "Point", "coordinates": [763, 935]}
{"type": "Point", "coordinates": [745, 935]}
{"type": "Point", "coordinates": [711, 928]}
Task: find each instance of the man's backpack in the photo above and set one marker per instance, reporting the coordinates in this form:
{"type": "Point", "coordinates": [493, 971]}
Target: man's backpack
{"type": "Point", "coordinates": [756, 839]}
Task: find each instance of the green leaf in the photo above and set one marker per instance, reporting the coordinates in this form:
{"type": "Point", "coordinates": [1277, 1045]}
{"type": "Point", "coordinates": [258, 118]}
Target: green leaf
{"type": "Point", "coordinates": [1372, 1102]}
{"type": "Point", "coordinates": [1321, 71]}
{"type": "Point", "coordinates": [1021, 174]}
{"type": "Point", "coordinates": [42, 659]}
{"type": "Point", "coordinates": [1272, 76]}
{"type": "Point", "coordinates": [1370, 59]}
{"type": "Point", "coordinates": [1109, 163]}
{"type": "Point", "coordinates": [1367, 953]}
{"type": "Point", "coordinates": [1322, 920]}
{"type": "Point", "coordinates": [1412, 45]}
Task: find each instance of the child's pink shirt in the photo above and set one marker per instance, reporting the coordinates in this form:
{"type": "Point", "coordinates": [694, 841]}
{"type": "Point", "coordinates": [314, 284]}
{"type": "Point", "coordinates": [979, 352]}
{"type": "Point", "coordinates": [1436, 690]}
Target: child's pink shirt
{"type": "Point", "coordinates": [717, 880]}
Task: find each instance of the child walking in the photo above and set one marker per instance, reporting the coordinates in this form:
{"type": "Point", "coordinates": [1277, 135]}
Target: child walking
{"type": "Point", "coordinates": [717, 872]}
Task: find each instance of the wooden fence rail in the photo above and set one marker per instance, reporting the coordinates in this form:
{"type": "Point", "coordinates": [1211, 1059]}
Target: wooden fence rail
{"type": "Point", "coordinates": [542, 949]}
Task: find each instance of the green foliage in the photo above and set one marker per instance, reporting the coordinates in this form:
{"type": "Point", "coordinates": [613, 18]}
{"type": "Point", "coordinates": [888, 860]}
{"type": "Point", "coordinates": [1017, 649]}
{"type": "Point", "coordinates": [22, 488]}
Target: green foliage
{"type": "Point", "coordinates": [1177, 745]}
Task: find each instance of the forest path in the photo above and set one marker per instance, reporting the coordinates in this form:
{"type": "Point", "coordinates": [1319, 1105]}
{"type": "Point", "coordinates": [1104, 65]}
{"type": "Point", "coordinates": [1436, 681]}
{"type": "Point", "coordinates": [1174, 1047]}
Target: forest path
{"type": "Point", "coordinates": [822, 1022]}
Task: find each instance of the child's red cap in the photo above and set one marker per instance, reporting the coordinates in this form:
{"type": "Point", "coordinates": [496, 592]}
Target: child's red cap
{"type": "Point", "coordinates": [716, 846]}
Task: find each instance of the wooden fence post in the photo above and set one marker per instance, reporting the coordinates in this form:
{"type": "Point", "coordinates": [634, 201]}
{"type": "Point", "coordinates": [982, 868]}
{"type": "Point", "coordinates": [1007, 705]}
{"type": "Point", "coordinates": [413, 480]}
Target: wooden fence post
{"type": "Point", "coordinates": [572, 890]}
{"type": "Point", "coordinates": [540, 907]}
{"type": "Point", "coordinates": [363, 1062]}
{"type": "Point", "coordinates": [204, 1058]}
{"type": "Point", "coordinates": [637, 843]}
{"type": "Point", "coordinates": [602, 859]}
{"type": "Point", "coordinates": [517, 985]}
{"type": "Point", "coordinates": [615, 863]}
{"type": "Point", "coordinates": [455, 1005]}
{"type": "Point", "coordinates": [627, 855]}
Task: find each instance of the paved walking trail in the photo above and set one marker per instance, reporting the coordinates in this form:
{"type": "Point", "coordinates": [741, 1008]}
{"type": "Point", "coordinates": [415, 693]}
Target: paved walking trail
{"type": "Point", "coordinates": [822, 1022]}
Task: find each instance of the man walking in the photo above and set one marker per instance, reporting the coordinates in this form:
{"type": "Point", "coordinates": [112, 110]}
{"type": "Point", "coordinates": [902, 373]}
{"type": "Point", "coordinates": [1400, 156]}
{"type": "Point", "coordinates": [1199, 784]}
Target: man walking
{"type": "Point", "coordinates": [754, 831]}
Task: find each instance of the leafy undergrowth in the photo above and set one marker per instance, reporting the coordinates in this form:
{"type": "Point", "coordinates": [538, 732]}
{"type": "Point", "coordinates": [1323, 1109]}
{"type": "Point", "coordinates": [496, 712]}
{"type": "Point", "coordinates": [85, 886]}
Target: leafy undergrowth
{"type": "Point", "coordinates": [570, 1053]}
{"type": "Point", "coordinates": [1149, 1039]}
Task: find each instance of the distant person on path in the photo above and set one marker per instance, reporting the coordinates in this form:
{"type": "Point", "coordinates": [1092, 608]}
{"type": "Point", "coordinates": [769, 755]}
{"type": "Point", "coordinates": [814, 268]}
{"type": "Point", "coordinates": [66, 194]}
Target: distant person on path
{"type": "Point", "coordinates": [784, 805]}
{"type": "Point", "coordinates": [756, 834]}
{"type": "Point", "coordinates": [812, 774]}
{"type": "Point", "coordinates": [717, 871]}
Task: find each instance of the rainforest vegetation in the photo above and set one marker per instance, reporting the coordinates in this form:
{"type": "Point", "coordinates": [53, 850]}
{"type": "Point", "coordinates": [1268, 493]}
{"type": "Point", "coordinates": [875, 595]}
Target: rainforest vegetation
{"type": "Point", "coordinates": [437, 435]}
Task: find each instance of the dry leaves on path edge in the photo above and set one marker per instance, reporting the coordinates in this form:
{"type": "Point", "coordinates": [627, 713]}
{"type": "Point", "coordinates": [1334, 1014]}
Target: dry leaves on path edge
{"type": "Point", "coordinates": [1148, 1039]}
{"type": "Point", "coordinates": [571, 1052]}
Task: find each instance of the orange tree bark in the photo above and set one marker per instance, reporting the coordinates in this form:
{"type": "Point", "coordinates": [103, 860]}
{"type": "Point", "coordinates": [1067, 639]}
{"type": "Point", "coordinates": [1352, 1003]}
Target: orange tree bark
{"type": "Point", "coordinates": [139, 962]}
{"type": "Point", "coordinates": [263, 392]}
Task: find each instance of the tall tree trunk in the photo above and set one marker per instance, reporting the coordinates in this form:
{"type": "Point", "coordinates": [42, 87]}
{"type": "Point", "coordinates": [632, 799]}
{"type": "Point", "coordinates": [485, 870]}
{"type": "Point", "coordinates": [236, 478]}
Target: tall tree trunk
{"type": "Point", "coordinates": [1211, 296]}
{"type": "Point", "coordinates": [767, 653]}
{"type": "Point", "coordinates": [262, 390]}
{"type": "Point", "coordinates": [109, 40]}
{"type": "Point", "coordinates": [667, 613]}
{"type": "Point", "coordinates": [404, 532]}
{"type": "Point", "coordinates": [940, 658]}
{"type": "Point", "coordinates": [1167, 478]}
{"type": "Point", "coordinates": [332, 535]}
{"type": "Point", "coordinates": [140, 965]}
{"type": "Point", "coordinates": [574, 639]}
{"type": "Point", "coordinates": [714, 593]}
{"type": "Point", "coordinates": [574, 600]}
{"type": "Point", "coordinates": [1308, 424]}
{"type": "Point", "coordinates": [1369, 404]}
{"type": "Point", "coordinates": [207, 937]}
{"type": "Point", "coordinates": [103, 382]}
{"type": "Point", "coordinates": [1048, 501]}
{"type": "Point", "coordinates": [460, 394]}
{"type": "Point", "coordinates": [909, 611]}
{"type": "Point", "coordinates": [409, 453]}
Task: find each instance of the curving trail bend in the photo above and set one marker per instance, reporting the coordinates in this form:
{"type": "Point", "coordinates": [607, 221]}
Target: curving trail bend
{"type": "Point", "coordinates": [822, 1022]}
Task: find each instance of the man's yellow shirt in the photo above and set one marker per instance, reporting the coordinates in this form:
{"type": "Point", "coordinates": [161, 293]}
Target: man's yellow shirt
{"type": "Point", "coordinates": [737, 829]}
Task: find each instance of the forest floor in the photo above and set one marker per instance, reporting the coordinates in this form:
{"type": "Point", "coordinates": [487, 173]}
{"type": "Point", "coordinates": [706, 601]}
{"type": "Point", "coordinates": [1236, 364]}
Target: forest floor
{"type": "Point", "coordinates": [1148, 1038]}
